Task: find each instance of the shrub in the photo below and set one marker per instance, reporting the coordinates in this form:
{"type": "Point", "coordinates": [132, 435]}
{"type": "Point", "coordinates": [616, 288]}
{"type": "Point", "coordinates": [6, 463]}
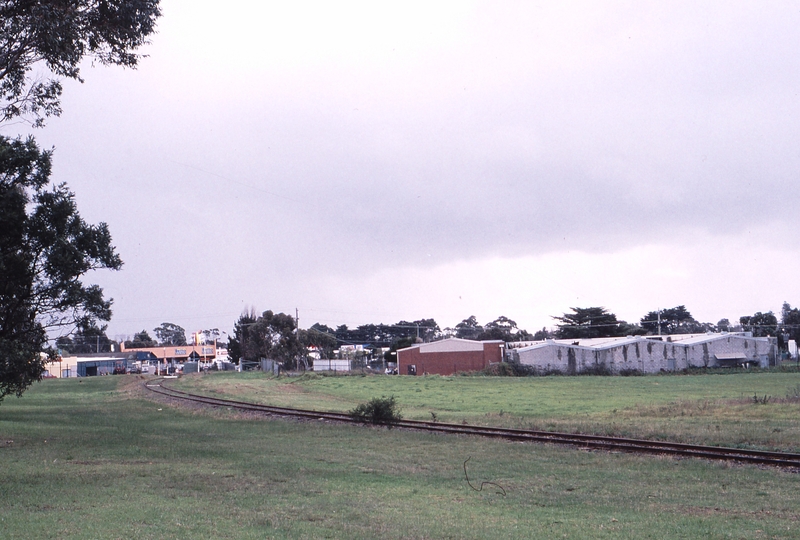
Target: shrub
{"type": "Point", "coordinates": [596, 369]}
{"type": "Point", "coordinates": [378, 411]}
{"type": "Point", "coordinates": [509, 369]}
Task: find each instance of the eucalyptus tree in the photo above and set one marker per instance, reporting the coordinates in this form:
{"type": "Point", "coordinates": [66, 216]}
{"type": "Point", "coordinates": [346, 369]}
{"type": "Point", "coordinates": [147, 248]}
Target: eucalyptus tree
{"type": "Point", "coordinates": [45, 245]}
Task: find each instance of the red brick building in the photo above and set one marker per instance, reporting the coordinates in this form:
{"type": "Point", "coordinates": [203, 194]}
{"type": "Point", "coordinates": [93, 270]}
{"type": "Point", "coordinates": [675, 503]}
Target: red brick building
{"type": "Point", "coordinates": [449, 356]}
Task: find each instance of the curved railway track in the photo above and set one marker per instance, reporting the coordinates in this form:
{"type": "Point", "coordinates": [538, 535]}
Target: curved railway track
{"type": "Point", "coordinates": [619, 444]}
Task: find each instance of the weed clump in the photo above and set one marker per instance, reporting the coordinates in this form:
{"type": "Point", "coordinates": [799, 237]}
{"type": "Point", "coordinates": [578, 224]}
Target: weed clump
{"type": "Point", "coordinates": [381, 410]}
{"type": "Point", "coordinates": [596, 369]}
{"type": "Point", "coordinates": [509, 369]}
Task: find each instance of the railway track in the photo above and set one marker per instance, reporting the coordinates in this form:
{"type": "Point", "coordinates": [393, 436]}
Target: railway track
{"type": "Point", "coordinates": [599, 442]}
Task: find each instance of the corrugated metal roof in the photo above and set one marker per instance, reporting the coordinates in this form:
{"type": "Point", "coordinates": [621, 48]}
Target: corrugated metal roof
{"type": "Point", "coordinates": [681, 340]}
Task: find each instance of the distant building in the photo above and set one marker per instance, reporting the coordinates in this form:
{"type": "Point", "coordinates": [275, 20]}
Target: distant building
{"type": "Point", "coordinates": [179, 353]}
{"type": "Point", "coordinates": [648, 354]}
{"type": "Point", "coordinates": [449, 356]}
{"type": "Point", "coordinates": [89, 365]}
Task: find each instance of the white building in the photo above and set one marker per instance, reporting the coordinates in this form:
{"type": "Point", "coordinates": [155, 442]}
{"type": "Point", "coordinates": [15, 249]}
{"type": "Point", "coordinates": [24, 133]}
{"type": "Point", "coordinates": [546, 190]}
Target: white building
{"type": "Point", "coordinates": [336, 364]}
{"type": "Point", "coordinates": [648, 354]}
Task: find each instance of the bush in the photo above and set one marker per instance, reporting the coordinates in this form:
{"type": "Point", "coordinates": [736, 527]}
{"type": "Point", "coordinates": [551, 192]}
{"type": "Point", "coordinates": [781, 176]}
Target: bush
{"type": "Point", "coordinates": [378, 411]}
{"type": "Point", "coordinates": [510, 369]}
{"type": "Point", "coordinates": [596, 369]}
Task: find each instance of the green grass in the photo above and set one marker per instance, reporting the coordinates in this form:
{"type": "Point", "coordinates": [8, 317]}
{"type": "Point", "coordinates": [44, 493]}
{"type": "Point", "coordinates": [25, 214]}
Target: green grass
{"type": "Point", "coordinates": [704, 409]}
{"type": "Point", "coordinates": [93, 458]}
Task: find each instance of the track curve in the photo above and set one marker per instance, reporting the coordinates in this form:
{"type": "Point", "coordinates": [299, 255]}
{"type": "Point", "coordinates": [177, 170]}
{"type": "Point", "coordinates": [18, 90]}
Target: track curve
{"type": "Point", "coordinates": [599, 442]}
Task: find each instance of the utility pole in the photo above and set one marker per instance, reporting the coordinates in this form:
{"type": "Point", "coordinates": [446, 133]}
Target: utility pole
{"type": "Point", "coordinates": [659, 321]}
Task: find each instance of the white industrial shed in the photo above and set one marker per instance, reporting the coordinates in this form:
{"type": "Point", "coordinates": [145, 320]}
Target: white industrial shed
{"type": "Point", "coordinates": [648, 354]}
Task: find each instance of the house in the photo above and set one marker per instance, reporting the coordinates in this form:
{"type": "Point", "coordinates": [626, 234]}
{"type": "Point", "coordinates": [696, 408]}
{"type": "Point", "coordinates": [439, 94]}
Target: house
{"type": "Point", "coordinates": [449, 356]}
{"type": "Point", "coordinates": [648, 354]}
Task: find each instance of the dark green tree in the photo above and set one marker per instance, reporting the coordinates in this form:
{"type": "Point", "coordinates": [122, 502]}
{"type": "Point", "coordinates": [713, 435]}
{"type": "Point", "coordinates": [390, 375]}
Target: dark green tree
{"type": "Point", "coordinates": [273, 337]}
{"type": "Point", "coordinates": [505, 329]}
{"type": "Point", "coordinates": [45, 250]}
{"type": "Point", "coordinates": [141, 340]}
{"type": "Point", "coordinates": [86, 340]}
{"type": "Point", "coordinates": [543, 334]}
{"type": "Point", "coordinates": [590, 322]}
{"type": "Point", "coordinates": [675, 320]}
{"type": "Point", "coordinates": [383, 335]}
{"type": "Point", "coordinates": [469, 328]}
{"type": "Point", "coordinates": [43, 41]}
{"type": "Point", "coordinates": [45, 246]}
{"type": "Point", "coordinates": [760, 324]}
{"type": "Point", "coordinates": [238, 342]}
{"type": "Point", "coordinates": [170, 334]}
{"type": "Point", "coordinates": [790, 322]}
{"type": "Point", "coordinates": [320, 337]}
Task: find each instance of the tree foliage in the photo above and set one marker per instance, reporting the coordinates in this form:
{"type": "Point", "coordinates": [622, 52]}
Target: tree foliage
{"type": "Point", "coordinates": [45, 246]}
{"type": "Point", "coordinates": [275, 338]}
{"type": "Point", "coordinates": [790, 322]}
{"type": "Point", "coordinates": [170, 334]}
{"type": "Point", "coordinates": [544, 333]}
{"type": "Point", "coordinates": [504, 329]}
{"type": "Point", "coordinates": [469, 328]}
{"type": "Point", "coordinates": [45, 249]}
{"type": "Point", "coordinates": [592, 322]}
{"type": "Point", "coordinates": [384, 335]}
{"type": "Point", "coordinates": [675, 320]}
{"type": "Point", "coordinates": [54, 36]}
{"type": "Point", "coordinates": [271, 336]}
{"type": "Point", "coordinates": [760, 324]}
{"type": "Point", "coordinates": [85, 339]}
{"type": "Point", "coordinates": [141, 340]}
{"type": "Point", "coordinates": [209, 336]}
{"type": "Point", "coordinates": [238, 342]}
{"type": "Point", "coordinates": [321, 338]}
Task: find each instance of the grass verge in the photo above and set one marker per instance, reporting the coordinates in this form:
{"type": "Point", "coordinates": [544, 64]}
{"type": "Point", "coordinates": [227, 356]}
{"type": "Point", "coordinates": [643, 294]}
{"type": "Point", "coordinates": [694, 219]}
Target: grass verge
{"type": "Point", "coordinates": [92, 460]}
{"type": "Point", "coordinates": [714, 409]}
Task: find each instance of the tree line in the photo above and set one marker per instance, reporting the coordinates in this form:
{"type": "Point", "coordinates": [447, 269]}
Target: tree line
{"type": "Point", "coordinates": [598, 322]}
{"type": "Point", "coordinates": [276, 336]}
{"type": "Point", "coordinates": [89, 338]}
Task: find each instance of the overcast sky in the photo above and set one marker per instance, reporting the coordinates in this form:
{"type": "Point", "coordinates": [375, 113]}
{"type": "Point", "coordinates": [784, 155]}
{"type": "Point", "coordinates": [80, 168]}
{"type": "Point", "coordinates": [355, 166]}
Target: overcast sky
{"type": "Point", "coordinates": [371, 162]}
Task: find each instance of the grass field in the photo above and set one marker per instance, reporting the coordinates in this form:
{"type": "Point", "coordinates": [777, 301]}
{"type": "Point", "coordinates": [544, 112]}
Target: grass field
{"type": "Point", "coordinates": [93, 458]}
{"type": "Point", "coordinates": [707, 409]}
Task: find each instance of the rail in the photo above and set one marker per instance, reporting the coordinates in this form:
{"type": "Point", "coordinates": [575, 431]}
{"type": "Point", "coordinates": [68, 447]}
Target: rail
{"type": "Point", "coordinates": [600, 442]}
